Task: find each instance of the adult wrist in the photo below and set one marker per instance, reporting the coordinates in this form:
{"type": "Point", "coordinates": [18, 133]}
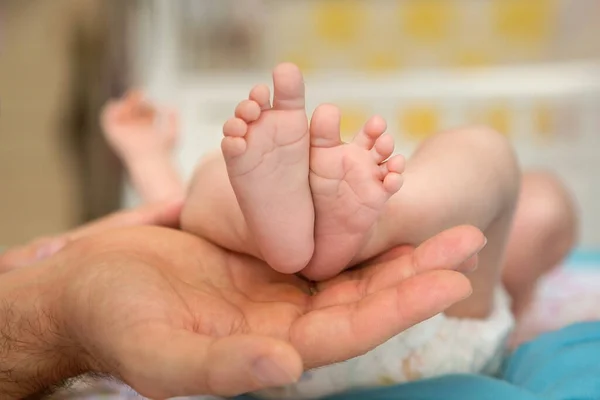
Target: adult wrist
{"type": "Point", "coordinates": [36, 351]}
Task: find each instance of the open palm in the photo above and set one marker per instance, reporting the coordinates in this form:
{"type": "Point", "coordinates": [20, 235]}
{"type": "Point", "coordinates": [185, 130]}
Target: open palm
{"type": "Point", "coordinates": [172, 314]}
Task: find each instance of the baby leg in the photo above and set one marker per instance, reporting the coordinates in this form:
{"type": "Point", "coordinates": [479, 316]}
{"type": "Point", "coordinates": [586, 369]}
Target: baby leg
{"type": "Point", "coordinates": [211, 209]}
{"type": "Point", "coordinates": [544, 231]}
{"type": "Point", "coordinates": [463, 176]}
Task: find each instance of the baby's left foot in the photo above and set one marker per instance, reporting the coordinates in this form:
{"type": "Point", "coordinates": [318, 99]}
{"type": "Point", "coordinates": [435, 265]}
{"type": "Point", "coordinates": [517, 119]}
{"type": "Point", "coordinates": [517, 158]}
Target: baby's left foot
{"type": "Point", "coordinates": [350, 184]}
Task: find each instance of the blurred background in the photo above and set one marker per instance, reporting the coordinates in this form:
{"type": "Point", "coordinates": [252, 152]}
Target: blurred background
{"type": "Point", "coordinates": [528, 68]}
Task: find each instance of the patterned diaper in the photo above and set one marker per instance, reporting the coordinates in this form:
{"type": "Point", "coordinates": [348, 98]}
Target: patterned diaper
{"type": "Point", "coordinates": [438, 346]}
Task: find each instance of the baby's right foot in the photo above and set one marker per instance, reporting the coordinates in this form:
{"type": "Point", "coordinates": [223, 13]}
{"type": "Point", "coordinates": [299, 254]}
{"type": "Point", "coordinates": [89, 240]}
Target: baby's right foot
{"type": "Point", "coordinates": [266, 149]}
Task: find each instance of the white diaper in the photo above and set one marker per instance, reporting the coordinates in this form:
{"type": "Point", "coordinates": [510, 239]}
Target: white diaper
{"type": "Point", "coordinates": [438, 346]}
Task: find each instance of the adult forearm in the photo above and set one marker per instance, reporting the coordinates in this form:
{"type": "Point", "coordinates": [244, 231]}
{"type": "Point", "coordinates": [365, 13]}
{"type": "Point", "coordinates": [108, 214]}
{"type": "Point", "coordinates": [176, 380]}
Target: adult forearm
{"type": "Point", "coordinates": [35, 354]}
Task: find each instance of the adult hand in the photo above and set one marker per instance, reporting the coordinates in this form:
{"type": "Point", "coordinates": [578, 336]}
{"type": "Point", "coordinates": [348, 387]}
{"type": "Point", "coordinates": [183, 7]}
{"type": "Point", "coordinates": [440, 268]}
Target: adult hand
{"type": "Point", "coordinates": [160, 214]}
{"type": "Point", "coordinates": [171, 314]}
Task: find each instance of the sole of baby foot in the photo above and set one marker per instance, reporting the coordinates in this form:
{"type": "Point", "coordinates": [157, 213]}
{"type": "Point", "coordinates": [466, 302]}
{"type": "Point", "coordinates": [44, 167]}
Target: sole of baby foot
{"type": "Point", "coordinates": [266, 149]}
{"type": "Point", "coordinates": [350, 183]}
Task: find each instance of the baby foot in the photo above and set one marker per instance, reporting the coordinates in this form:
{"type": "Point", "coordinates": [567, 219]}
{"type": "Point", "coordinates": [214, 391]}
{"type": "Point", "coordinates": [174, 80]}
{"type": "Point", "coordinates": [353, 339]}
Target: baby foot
{"type": "Point", "coordinates": [350, 183]}
{"type": "Point", "coordinates": [266, 150]}
{"type": "Point", "coordinates": [136, 129]}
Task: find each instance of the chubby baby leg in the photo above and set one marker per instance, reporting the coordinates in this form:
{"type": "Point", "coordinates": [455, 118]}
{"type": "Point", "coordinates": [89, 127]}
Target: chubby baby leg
{"type": "Point", "coordinates": [462, 176]}
{"type": "Point", "coordinates": [211, 209]}
{"type": "Point", "coordinates": [544, 232]}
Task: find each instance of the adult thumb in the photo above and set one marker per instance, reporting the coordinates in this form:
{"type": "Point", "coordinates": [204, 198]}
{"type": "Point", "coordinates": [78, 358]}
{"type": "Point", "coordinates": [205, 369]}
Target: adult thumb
{"type": "Point", "coordinates": [184, 363]}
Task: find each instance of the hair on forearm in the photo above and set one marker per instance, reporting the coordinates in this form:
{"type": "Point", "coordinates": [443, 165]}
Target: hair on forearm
{"type": "Point", "coordinates": [31, 357]}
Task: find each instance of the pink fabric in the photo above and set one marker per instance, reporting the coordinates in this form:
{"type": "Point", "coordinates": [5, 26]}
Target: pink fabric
{"type": "Point", "coordinates": [564, 297]}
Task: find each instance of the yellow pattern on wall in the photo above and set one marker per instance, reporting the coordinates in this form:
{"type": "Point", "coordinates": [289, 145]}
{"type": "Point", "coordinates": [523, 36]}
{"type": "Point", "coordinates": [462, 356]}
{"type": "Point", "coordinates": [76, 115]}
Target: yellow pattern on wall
{"type": "Point", "coordinates": [524, 20]}
{"type": "Point", "coordinates": [384, 35]}
{"type": "Point", "coordinates": [383, 61]}
{"type": "Point", "coordinates": [497, 117]}
{"type": "Point", "coordinates": [544, 120]}
{"type": "Point", "coordinates": [419, 121]}
{"type": "Point", "coordinates": [353, 119]}
{"type": "Point", "coordinates": [472, 58]}
{"type": "Point", "coordinates": [339, 21]}
{"type": "Point", "coordinates": [427, 20]}
{"type": "Point", "coordinates": [301, 59]}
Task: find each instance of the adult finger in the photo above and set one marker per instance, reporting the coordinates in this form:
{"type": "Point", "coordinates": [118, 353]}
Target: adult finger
{"type": "Point", "coordinates": [442, 249]}
{"type": "Point", "coordinates": [452, 243]}
{"type": "Point", "coordinates": [25, 255]}
{"type": "Point", "coordinates": [184, 363]}
{"type": "Point", "coordinates": [454, 249]}
{"type": "Point", "coordinates": [161, 214]}
{"type": "Point", "coordinates": [340, 332]}
{"type": "Point", "coordinates": [359, 271]}
{"type": "Point", "coordinates": [392, 254]}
